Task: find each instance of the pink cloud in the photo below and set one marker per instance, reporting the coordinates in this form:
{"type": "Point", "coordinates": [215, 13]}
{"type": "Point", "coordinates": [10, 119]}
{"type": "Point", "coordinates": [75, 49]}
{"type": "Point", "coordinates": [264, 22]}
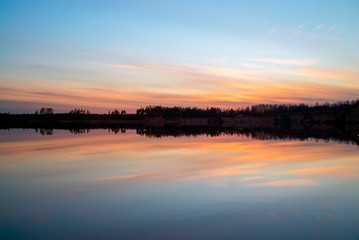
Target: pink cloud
{"type": "Point", "coordinates": [285, 183]}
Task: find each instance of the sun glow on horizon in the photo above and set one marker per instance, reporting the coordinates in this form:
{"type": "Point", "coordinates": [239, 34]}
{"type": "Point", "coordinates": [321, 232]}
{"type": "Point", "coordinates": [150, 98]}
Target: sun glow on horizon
{"type": "Point", "coordinates": [102, 57]}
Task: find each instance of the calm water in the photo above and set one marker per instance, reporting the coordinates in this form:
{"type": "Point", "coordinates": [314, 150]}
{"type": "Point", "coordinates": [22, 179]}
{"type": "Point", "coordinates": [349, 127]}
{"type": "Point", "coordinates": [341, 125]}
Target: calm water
{"type": "Point", "coordinates": [103, 185]}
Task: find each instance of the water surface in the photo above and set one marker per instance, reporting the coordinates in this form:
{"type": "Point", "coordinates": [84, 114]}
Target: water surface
{"type": "Point", "coordinates": [102, 185]}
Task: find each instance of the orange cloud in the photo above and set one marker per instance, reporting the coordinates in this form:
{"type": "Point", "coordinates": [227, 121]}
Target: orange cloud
{"type": "Point", "coordinates": [191, 85]}
{"type": "Point", "coordinates": [338, 74]}
{"type": "Point", "coordinates": [128, 66]}
{"type": "Point", "coordinates": [247, 179]}
{"type": "Point", "coordinates": [285, 183]}
{"type": "Point", "coordinates": [133, 176]}
{"type": "Point", "coordinates": [296, 62]}
{"type": "Point", "coordinates": [227, 94]}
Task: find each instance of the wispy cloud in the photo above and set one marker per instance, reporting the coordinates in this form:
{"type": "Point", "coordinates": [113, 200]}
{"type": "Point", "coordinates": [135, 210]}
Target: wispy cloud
{"type": "Point", "coordinates": [252, 65]}
{"type": "Point", "coordinates": [331, 29]}
{"type": "Point", "coordinates": [318, 26]}
{"type": "Point", "coordinates": [212, 90]}
{"type": "Point", "coordinates": [297, 62]}
{"type": "Point", "coordinates": [122, 177]}
{"type": "Point", "coordinates": [247, 179]}
{"type": "Point", "coordinates": [250, 81]}
{"type": "Point", "coordinates": [126, 66]}
{"type": "Point", "coordinates": [285, 183]}
{"type": "Point", "coordinates": [301, 26]}
{"type": "Point", "coordinates": [297, 31]}
{"type": "Point", "coordinates": [273, 29]}
{"type": "Point", "coordinates": [194, 71]}
{"type": "Point", "coordinates": [338, 33]}
{"type": "Point", "coordinates": [326, 73]}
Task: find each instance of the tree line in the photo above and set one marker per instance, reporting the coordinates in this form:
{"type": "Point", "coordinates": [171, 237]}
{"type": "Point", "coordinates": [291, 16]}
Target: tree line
{"type": "Point", "coordinates": [259, 110]}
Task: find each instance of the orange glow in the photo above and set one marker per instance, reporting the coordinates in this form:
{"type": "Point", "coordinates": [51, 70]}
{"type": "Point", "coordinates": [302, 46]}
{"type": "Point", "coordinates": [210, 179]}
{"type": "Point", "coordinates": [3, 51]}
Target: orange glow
{"type": "Point", "coordinates": [191, 85]}
{"type": "Point", "coordinates": [218, 159]}
{"type": "Point", "coordinates": [127, 99]}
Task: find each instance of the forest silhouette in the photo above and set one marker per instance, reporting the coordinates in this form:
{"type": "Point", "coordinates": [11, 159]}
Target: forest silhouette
{"type": "Point", "coordinates": [338, 121]}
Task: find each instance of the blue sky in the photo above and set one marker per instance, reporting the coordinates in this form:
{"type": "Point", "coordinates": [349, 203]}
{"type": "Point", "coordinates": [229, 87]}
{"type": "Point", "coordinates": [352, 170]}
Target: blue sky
{"type": "Point", "coordinates": [126, 54]}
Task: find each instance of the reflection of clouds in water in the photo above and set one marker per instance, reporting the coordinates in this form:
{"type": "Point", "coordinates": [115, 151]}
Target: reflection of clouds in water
{"type": "Point", "coordinates": [223, 160]}
{"type": "Point", "coordinates": [225, 182]}
{"type": "Point", "coordinates": [351, 170]}
{"type": "Point", "coordinates": [285, 183]}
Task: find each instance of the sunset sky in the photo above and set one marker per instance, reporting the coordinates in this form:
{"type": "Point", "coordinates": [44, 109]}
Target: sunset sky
{"type": "Point", "coordinates": [102, 55]}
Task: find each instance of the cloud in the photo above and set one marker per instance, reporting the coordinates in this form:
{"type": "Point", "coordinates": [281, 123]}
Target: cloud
{"type": "Point", "coordinates": [318, 26]}
{"type": "Point", "coordinates": [338, 74]}
{"type": "Point", "coordinates": [285, 183]}
{"type": "Point", "coordinates": [284, 61]}
{"type": "Point", "coordinates": [338, 33]}
{"type": "Point", "coordinates": [331, 29]}
{"type": "Point", "coordinates": [191, 70]}
{"type": "Point", "coordinates": [298, 30]}
{"type": "Point", "coordinates": [247, 179]}
{"type": "Point", "coordinates": [202, 90]}
{"type": "Point", "coordinates": [121, 177]}
{"type": "Point", "coordinates": [252, 65]}
{"type": "Point", "coordinates": [126, 66]}
{"type": "Point", "coordinates": [301, 26]}
{"type": "Point", "coordinates": [273, 29]}
{"type": "Point", "coordinates": [256, 80]}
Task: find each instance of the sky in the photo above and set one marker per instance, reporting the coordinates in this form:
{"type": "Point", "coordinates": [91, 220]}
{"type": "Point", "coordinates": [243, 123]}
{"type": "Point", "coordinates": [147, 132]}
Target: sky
{"type": "Point", "coordinates": [105, 55]}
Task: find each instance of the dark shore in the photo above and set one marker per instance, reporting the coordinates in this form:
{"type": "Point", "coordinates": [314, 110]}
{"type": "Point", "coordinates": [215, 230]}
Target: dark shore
{"type": "Point", "coordinates": [341, 123]}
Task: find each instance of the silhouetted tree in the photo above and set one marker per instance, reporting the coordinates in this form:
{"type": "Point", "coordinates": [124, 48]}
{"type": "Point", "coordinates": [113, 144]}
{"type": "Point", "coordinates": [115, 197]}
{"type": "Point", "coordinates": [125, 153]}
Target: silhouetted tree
{"type": "Point", "coordinates": [140, 111]}
{"type": "Point", "coordinates": [46, 110]}
{"type": "Point", "coordinates": [115, 112]}
{"type": "Point", "coordinates": [49, 110]}
{"type": "Point", "coordinates": [79, 111]}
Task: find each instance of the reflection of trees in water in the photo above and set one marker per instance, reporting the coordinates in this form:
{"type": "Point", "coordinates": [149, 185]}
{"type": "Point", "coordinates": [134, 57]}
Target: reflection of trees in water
{"type": "Point", "coordinates": [79, 131]}
{"type": "Point", "coordinates": [117, 130]}
{"type": "Point", "coordinates": [259, 134]}
{"type": "Point", "coordinates": [45, 131]}
{"type": "Point", "coordinates": [348, 134]}
{"type": "Point", "coordinates": [183, 131]}
{"type": "Point", "coordinates": [324, 136]}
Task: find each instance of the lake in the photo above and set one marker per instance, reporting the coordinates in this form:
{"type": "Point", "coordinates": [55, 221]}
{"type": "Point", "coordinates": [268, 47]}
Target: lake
{"type": "Point", "coordinates": [102, 185]}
